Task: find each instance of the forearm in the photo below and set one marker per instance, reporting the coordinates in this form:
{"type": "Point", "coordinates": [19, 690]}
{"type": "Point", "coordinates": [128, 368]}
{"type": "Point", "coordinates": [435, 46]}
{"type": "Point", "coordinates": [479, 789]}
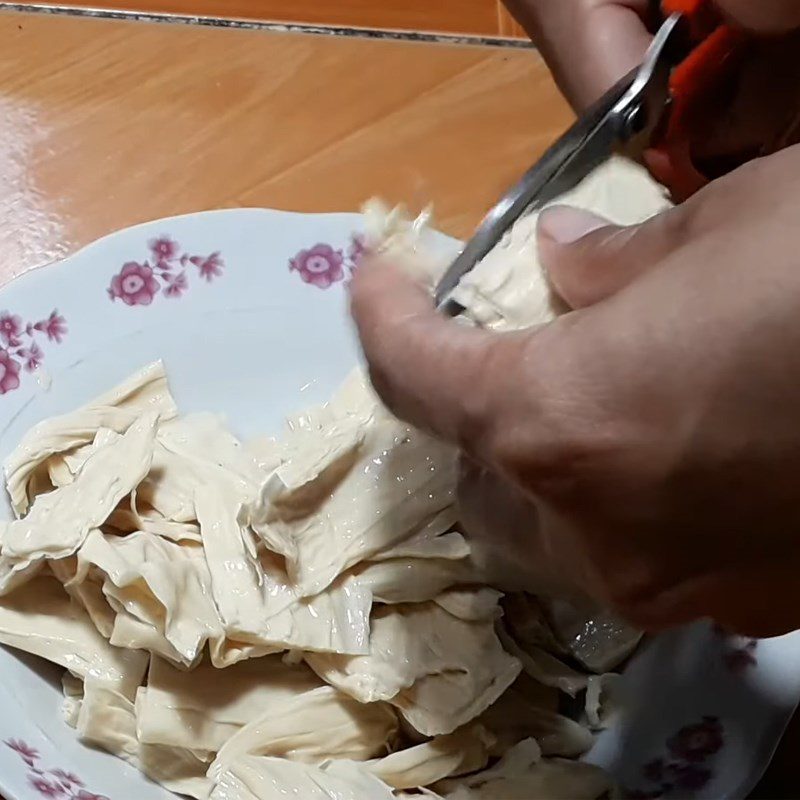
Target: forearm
{"type": "Point", "coordinates": [590, 44]}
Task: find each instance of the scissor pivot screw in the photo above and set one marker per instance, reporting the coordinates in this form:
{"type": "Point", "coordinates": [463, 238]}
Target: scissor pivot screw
{"type": "Point", "coordinates": [635, 120]}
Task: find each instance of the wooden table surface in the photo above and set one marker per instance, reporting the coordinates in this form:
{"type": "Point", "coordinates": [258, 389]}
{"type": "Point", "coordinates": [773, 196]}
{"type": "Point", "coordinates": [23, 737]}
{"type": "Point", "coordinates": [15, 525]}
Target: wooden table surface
{"type": "Point", "coordinates": [107, 123]}
{"type": "Point", "coordinates": [104, 124]}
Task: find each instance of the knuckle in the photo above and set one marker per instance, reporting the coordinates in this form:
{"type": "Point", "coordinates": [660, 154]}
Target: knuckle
{"type": "Point", "coordinates": [565, 439]}
{"type": "Point", "coordinates": [568, 455]}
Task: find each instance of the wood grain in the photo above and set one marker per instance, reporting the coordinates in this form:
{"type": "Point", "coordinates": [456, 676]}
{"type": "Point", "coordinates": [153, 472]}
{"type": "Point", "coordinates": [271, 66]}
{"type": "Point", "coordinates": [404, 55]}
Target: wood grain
{"type": "Point", "coordinates": [105, 124]}
{"type": "Point", "coordinates": [471, 17]}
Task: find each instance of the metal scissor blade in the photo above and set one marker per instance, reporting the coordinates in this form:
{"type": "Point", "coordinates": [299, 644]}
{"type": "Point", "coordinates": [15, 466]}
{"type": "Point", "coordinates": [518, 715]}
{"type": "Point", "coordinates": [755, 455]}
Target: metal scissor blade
{"type": "Point", "coordinates": [622, 119]}
{"type": "Point", "coordinates": [566, 163]}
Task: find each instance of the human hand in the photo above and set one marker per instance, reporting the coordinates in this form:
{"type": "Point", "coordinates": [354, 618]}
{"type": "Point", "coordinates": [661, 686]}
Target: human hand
{"type": "Point", "coordinates": [652, 433]}
{"type": "Point", "coordinates": [590, 44]}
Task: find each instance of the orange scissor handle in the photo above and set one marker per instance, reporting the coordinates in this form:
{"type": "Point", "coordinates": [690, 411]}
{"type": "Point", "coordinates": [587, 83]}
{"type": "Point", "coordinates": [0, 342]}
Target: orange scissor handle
{"type": "Point", "coordinates": [716, 54]}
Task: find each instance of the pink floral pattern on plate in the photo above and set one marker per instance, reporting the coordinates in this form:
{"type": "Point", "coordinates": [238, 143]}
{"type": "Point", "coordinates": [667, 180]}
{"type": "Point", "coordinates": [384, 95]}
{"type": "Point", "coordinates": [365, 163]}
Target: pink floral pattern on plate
{"type": "Point", "coordinates": [166, 271]}
{"type": "Point", "coordinates": [739, 652]}
{"type": "Point", "coordinates": [56, 784]}
{"type": "Point", "coordinates": [322, 265]}
{"type": "Point", "coordinates": [20, 347]}
{"type": "Point", "coordinates": [684, 768]}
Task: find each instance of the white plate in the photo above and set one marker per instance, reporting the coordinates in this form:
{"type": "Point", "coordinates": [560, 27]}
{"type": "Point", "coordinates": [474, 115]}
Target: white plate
{"type": "Point", "coordinates": [255, 328]}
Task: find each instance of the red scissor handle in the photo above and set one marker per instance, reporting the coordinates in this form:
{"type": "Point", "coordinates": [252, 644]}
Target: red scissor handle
{"type": "Point", "coordinates": [716, 54]}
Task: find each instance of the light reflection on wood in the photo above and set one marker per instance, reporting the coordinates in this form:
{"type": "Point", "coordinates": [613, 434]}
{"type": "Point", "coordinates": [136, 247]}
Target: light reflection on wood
{"type": "Point", "coordinates": [106, 124]}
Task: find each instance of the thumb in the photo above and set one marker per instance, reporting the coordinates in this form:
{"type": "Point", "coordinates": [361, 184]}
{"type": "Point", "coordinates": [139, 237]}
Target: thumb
{"type": "Point", "coordinates": [429, 370]}
{"type": "Point", "coordinates": [587, 258]}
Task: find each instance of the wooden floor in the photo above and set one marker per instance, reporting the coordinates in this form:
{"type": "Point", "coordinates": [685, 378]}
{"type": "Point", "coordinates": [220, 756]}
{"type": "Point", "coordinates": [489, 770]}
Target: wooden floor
{"type": "Point", "coordinates": [470, 17]}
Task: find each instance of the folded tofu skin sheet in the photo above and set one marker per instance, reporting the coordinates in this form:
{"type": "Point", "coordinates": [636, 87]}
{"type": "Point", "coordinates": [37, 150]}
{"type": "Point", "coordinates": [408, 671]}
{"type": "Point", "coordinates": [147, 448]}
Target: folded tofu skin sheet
{"type": "Point", "coordinates": [300, 616]}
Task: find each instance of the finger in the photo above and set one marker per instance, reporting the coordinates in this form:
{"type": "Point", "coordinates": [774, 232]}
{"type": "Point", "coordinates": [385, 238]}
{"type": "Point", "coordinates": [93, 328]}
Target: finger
{"type": "Point", "coordinates": [430, 371]}
{"type": "Point", "coordinates": [589, 49]}
{"type": "Point", "coordinates": [615, 41]}
{"type": "Point", "coordinates": [588, 259]}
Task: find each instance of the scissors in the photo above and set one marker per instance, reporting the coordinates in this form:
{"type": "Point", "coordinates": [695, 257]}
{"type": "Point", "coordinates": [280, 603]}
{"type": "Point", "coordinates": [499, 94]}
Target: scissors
{"type": "Point", "coordinates": [646, 116]}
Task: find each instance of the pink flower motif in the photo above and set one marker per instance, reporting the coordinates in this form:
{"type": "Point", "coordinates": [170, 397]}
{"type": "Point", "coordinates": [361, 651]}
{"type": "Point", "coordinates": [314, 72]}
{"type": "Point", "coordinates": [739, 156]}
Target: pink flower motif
{"type": "Point", "coordinates": [740, 653]}
{"type": "Point", "coordinates": [164, 250]}
{"type": "Point", "coordinates": [51, 783]}
{"type": "Point", "coordinates": [176, 286]}
{"type": "Point", "coordinates": [55, 327]}
{"type": "Point", "coordinates": [32, 355]}
{"type": "Point", "coordinates": [67, 779]}
{"type": "Point", "coordinates": [690, 776]}
{"type": "Point", "coordinates": [26, 752]}
{"type": "Point", "coordinates": [9, 379]}
{"type": "Point", "coordinates": [135, 285]}
{"type": "Point", "coordinates": [10, 328]}
{"type": "Point", "coordinates": [320, 266]}
{"type": "Point", "coordinates": [45, 787]}
{"type": "Point", "coordinates": [739, 661]}
{"type": "Point", "coordinates": [697, 742]}
{"type": "Point", "coordinates": [210, 267]}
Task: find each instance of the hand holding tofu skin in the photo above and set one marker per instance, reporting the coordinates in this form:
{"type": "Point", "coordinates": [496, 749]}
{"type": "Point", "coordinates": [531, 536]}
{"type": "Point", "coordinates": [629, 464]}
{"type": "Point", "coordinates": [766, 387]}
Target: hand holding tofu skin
{"type": "Point", "coordinates": [302, 601]}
